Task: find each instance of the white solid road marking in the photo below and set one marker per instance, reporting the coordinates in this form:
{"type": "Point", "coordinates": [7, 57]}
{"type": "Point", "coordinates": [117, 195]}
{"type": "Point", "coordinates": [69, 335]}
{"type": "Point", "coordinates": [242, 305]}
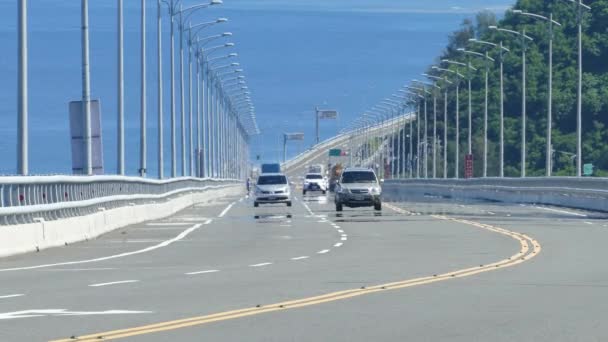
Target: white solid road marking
{"type": "Point", "coordinates": [300, 258]}
{"type": "Point", "coordinates": [323, 251]}
{"type": "Point", "coordinates": [79, 269]}
{"type": "Point", "coordinates": [168, 224]}
{"type": "Point", "coordinates": [338, 244]}
{"type": "Point", "coordinates": [261, 264]}
{"type": "Point", "coordinates": [12, 296]}
{"type": "Point", "coordinates": [225, 211]}
{"type": "Point", "coordinates": [562, 211]}
{"type": "Point", "coordinates": [166, 243]}
{"type": "Point", "coordinates": [114, 283]}
{"type": "Point", "coordinates": [64, 312]}
{"type": "Point", "coordinates": [202, 272]}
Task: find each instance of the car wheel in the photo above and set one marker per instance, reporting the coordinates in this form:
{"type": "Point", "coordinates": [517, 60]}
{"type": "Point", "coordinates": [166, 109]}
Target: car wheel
{"type": "Point", "coordinates": [339, 207]}
{"type": "Point", "coordinates": [324, 192]}
{"type": "Point", "coordinates": [289, 204]}
{"type": "Point", "coordinates": [378, 206]}
{"type": "Point", "coordinates": [256, 204]}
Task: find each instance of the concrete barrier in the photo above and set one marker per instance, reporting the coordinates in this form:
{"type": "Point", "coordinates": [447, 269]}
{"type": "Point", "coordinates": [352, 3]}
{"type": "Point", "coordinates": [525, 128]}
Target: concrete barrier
{"type": "Point", "coordinates": [582, 193]}
{"type": "Point", "coordinates": [31, 237]}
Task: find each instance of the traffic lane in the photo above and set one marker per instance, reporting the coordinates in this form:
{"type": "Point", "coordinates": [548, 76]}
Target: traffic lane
{"type": "Point", "coordinates": [121, 240]}
{"type": "Point", "coordinates": [223, 245]}
{"type": "Point", "coordinates": [123, 284]}
{"type": "Point", "coordinates": [404, 250]}
{"type": "Point", "coordinates": [558, 296]}
{"type": "Point", "coordinates": [59, 268]}
{"type": "Point", "coordinates": [452, 322]}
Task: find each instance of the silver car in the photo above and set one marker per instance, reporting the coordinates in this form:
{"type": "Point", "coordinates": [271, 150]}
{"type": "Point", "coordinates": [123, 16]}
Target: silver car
{"type": "Point", "coordinates": [272, 188]}
{"type": "Point", "coordinates": [358, 187]}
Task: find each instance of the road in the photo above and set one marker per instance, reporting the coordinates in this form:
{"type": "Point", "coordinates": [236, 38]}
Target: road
{"type": "Point", "coordinates": [424, 270]}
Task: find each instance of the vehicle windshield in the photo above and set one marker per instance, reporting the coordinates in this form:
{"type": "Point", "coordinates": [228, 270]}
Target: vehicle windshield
{"type": "Point", "coordinates": [314, 177]}
{"type": "Point", "coordinates": [358, 177]}
{"type": "Point", "coordinates": [272, 180]}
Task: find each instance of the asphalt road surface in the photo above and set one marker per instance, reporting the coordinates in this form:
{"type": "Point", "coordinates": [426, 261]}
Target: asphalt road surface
{"type": "Point", "coordinates": [223, 271]}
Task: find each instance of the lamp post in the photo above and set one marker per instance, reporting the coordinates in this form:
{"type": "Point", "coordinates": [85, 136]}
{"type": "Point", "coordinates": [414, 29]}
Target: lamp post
{"type": "Point", "coordinates": [501, 58]}
{"type": "Point", "coordinates": [436, 87]}
{"type": "Point", "coordinates": [445, 120]}
{"type": "Point", "coordinates": [120, 144]}
{"type": "Point", "coordinates": [423, 98]}
{"type": "Point", "coordinates": [86, 88]}
{"type": "Point", "coordinates": [579, 94]}
{"type": "Point", "coordinates": [487, 60]}
{"type": "Point", "coordinates": [205, 65]}
{"type": "Point", "coordinates": [550, 23]}
{"type": "Point", "coordinates": [22, 92]}
{"type": "Point", "coordinates": [174, 11]}
{"type": "Point", "coordinates": [143, 141]}
{"type": "Point", "coordinates": [457, 119]}
{"type": "Point", "coordinates": [192, 31]}
{"type": "Point", "coordinates": [522, 40]}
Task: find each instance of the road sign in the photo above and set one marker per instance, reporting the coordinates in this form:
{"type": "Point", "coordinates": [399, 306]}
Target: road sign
{"type": "Point", "coordinates": [468, 166]}
{"type": "Point", "coordinates": [294, 136]}
{"type": "Point", "coordinates": [335, 152]}
{"type": "Point", "coordinates": [588, 170]}
{"type": "Point", "coordinates": [78, 132]}
{"type": "Point", "coordinates": [327, 114]}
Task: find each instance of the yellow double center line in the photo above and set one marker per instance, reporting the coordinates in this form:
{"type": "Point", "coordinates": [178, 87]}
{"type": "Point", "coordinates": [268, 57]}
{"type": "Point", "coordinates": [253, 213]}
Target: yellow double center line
{"type": "Point", "coordinates": [529, 249]}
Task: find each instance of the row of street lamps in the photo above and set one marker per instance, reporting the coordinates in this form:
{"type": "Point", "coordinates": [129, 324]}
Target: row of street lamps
{"type": "Point", "coordinates": [225, 116]}
{"type": "Point", "coordinates": [418, 93]}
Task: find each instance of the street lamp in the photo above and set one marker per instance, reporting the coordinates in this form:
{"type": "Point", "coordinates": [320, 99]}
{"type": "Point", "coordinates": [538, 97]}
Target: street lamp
{"type": "Point", "coordinates": [457, 119]}
{"type": "Point", "coordinates": [22, 92]}
{"type": "Point", "coordinates": [174, 11]}
{"type": "Point", "coordinates": [423, 98]}
{"type": "Point", "coordinates": [501, 58]}
{"type": "Point", "coordinates": [445, 121]}
{"type": "Point", "coordinates": [522, 40]}
{"type": "Point", "coordinates": [436, 87]}
{"type": "Point", "coordinates": [487, 60]}
{"type": "Point", "coordinates": [411, 153]}
{"type": "Point", "coordinates": [550, 23]}
{"type": "Point", "coordinates": [579, 102]}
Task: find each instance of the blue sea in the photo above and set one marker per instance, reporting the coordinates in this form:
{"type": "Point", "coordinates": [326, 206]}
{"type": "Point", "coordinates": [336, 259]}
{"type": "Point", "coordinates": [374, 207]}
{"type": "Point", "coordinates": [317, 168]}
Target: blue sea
{"type": "Point", "coordinates": [339, 54]}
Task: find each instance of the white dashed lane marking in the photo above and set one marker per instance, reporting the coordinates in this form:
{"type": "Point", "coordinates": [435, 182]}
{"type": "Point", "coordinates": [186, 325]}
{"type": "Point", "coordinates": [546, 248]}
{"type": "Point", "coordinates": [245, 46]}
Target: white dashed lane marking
{"type": "Point", "coordinates": [114, 283]}
{"type": "Point", "coordinates": [202, 272]}
{"type": "Point", "coordinates": [12, 296]}
{"type": "Point", "coordinates": [300, 258]}
{"type": "Point", "coordinates": [339, 244]}
{"type": "Point", "coordinates": [261, 264]}
{"type": "Point", "coordinates": [323, 251]}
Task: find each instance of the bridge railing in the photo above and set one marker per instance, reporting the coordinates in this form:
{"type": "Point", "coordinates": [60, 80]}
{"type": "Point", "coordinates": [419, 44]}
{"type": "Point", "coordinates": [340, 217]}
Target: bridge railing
{"type": "Point", "coordinates": [585, 193]}
{"type": "Point", "coordinates": [33, 198]}
{"type": "Point", "coordinates": [337, 139]}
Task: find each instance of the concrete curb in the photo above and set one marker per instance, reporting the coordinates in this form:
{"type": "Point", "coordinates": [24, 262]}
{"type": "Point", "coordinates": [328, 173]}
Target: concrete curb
{"type": "Point", "coordinates": [32, 237]}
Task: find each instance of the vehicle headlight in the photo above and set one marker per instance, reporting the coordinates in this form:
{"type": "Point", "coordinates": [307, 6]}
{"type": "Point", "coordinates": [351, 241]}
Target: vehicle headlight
{"type": "Point", "coordinates": [375, 191]}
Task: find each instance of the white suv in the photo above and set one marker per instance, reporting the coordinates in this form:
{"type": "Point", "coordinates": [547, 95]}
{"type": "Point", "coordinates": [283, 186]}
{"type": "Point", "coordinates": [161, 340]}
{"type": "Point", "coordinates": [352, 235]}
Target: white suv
{"type": "Point", "coordinates": [314, 182]}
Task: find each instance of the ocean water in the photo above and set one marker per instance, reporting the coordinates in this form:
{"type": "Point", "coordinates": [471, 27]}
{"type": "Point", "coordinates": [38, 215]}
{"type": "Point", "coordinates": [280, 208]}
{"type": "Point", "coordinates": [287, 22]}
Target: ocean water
{"type": "Point", "coordinates": [344, 55]}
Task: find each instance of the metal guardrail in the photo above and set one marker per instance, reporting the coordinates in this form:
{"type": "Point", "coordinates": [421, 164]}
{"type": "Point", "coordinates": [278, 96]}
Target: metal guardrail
{"type": "Point", "coordinates": [30, 199]}
{"type": "Point", "coordinates": [584, 193]}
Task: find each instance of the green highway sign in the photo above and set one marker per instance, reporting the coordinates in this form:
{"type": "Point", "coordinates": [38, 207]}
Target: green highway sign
{"type": "Point", "coordinates": [335, 152]}
{"type": "Point", "coordinates": [588, 169]}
